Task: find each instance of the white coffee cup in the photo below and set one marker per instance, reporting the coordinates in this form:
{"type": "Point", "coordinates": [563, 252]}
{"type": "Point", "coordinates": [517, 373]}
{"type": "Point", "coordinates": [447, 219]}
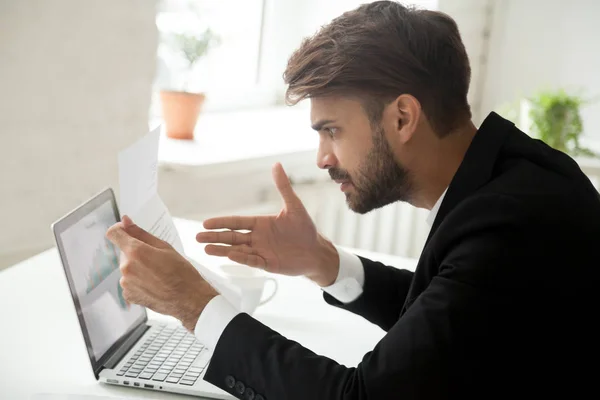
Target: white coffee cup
{"type": "Point", "coordinates": [251, 283]}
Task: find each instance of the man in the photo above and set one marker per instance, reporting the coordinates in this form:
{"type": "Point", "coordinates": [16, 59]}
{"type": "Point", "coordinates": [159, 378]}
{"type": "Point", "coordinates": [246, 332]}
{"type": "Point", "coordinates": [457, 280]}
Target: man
{"type": "Point", "coordinates": [502, 302]}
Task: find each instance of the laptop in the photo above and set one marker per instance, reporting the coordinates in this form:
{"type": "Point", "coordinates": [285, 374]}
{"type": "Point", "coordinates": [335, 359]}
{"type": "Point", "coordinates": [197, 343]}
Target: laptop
{"type": "Point", "coordinates": [124, 347]}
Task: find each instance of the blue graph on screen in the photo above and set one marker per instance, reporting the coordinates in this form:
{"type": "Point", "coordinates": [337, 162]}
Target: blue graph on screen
{"type": "Point", "coordinates": [104, 263]}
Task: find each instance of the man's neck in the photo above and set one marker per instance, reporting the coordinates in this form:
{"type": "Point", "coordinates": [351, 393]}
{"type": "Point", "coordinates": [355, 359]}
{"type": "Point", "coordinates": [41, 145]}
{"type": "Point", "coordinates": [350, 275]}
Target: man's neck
{"type": "Point", "coordinates": [442, 162]}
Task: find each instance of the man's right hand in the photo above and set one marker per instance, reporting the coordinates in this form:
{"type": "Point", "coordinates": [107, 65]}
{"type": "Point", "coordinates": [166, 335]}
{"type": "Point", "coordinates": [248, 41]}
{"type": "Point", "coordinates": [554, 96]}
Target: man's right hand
{"type": "Point", "coordinates": [287, 243]}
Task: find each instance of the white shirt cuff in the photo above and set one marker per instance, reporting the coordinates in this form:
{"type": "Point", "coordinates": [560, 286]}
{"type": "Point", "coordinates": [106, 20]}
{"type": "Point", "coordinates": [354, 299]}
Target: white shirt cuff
{"type": "Point", "coordinates": [213, 320]}
{"type": "Point", "coordinates": [350, 281]}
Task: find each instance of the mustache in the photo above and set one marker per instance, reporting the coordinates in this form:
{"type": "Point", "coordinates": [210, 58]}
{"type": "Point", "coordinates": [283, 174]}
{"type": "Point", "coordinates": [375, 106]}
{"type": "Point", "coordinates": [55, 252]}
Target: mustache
{"type": "Point", "coordinates": [339, 174]}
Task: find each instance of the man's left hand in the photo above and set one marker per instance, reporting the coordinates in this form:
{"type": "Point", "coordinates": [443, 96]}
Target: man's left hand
{"type": "Point", "coordinates": [156, 276]}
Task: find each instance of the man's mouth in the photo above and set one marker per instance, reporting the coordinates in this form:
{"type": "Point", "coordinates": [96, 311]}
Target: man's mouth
{"type": "Point", "coordinates": [344, 184]}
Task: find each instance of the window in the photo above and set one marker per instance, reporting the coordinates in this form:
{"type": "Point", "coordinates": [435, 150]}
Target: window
{"type": "Point", "coordinates": [229, 68]}
{"type": "Point", "coordinates": [256, 37]}
{"type": "Point", "coordinates": [234, 61]}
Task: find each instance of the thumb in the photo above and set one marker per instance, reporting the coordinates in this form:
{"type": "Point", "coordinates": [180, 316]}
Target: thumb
{"type": "Point", "coordinates": [284, 186]}
{"type": "Point", "coordinates": [120, 238]}
{"type": "Point", "coordinates": [140, 234]}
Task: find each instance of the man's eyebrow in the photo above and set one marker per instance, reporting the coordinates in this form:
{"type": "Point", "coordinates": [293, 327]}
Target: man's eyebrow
{"type": "Point", "coordinates": [317, 126]}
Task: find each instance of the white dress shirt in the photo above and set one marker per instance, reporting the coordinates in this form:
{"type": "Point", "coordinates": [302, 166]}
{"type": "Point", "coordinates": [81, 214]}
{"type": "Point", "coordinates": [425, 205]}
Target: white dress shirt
{"type": "Point", "coordinates": [347, 287]}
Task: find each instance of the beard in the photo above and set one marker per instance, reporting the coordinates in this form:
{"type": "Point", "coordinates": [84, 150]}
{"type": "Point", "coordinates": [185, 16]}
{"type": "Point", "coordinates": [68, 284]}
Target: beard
{"type": "Point", "coordinates": [379, 181]}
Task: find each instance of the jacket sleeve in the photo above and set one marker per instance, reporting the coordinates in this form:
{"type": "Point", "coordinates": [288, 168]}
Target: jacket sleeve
{"type": "Point", "coordinates": [408, 363]}
{"type": "Point", "coordinates": [383, 296]}
{"type": "Point", "coordinates": [439, 337]}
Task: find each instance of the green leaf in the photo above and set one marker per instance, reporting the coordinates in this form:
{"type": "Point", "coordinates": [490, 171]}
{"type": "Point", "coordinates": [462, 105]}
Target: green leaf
{"type": "Point", "coordinates": [556, 120]}
{"type": "Point", "coordinates": [193, 47]}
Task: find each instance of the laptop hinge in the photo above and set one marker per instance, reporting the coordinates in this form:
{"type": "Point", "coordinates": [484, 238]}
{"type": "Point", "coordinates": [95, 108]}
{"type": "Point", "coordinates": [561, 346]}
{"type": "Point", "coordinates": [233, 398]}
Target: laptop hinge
{"type": "Point", "coordinates": [120, 352]}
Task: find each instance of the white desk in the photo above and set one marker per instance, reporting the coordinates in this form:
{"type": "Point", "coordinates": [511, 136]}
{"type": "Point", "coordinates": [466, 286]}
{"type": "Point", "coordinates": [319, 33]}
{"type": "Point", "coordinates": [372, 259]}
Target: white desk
{"type": "Point", "coordinates": [42, 349]}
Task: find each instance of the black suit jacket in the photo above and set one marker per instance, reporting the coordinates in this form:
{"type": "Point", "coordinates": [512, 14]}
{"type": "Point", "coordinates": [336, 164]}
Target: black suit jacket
{"type": "Point", "coordinates": [502, 303]}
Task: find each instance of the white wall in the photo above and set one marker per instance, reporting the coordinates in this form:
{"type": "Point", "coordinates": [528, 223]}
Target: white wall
{"type": "Point", "coordinates": [473, 20]}
{"type": "Point", "coordinates": [545, 43]}
{"type": "Point", "coordinates": [75, 81]}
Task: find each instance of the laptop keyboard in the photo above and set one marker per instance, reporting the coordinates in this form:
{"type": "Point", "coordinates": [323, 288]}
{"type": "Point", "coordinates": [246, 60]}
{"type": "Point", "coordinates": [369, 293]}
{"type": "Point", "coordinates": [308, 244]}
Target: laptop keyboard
{"type": "Point", "coordinates": [171, 355]}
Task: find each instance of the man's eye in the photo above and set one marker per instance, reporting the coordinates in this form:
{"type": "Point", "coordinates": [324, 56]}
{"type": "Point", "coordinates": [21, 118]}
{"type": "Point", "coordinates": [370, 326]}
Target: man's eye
{"type": "Point", "coordinates": [331, 131]}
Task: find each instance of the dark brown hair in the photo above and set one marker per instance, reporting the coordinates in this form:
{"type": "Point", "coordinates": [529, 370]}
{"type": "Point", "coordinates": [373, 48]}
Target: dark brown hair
{"type": "Point", "coordinates": [380, 51]}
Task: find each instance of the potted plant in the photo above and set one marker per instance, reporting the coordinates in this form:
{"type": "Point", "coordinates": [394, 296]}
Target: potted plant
{"type": "Point", "coordinates": [555, 119]}
{"type": "Point", "coordinates": [181, 108]}
{"type": "Point", "coordinates": [552, 116]}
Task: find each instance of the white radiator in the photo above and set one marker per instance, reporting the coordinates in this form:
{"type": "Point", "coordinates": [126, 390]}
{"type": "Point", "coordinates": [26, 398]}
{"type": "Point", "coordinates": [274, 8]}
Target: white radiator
{"type": "Point", "coordinates": [398, 229]}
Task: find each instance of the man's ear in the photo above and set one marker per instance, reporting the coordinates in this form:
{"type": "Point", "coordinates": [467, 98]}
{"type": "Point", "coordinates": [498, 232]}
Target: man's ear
{"type": "Point", "coordinates": [407, 110]}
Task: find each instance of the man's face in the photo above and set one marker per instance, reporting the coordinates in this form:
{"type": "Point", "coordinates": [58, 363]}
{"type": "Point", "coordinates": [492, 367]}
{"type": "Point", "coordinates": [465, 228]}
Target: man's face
{"type": "Point", "coordinates": [357, 155]}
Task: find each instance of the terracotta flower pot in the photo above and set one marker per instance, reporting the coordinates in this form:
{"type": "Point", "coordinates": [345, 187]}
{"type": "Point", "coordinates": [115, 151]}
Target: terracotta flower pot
{"type": "Point", "coordinates": [180, 112]}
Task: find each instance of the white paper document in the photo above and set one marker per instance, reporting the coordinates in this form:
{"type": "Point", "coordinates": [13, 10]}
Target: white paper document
{"type": "Point", "coordinates": [139, 199]}
{"type": "Point", "coordinates": [138, 185]}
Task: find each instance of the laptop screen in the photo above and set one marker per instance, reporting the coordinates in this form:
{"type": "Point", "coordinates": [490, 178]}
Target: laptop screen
{"type": "Point", "coordinates": [92, 262]}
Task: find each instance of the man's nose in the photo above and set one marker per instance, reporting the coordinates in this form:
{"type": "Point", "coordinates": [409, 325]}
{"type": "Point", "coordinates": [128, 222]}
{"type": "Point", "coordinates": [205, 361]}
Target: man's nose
{"type": "Point", "coordinates": [325, 157]}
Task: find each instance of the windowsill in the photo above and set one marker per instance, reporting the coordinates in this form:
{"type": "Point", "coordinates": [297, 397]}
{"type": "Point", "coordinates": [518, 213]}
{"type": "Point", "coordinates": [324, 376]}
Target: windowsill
{"type": "Point", "coordinates": [270, 132]}
{"type": "Point", "coordinates": [243, 135]}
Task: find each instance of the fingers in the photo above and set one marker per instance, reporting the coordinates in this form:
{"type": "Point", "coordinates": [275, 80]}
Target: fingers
{"type": "Point", "coordinates": [140, 234]}
{"type": "Point", "coordinates": [284, 186]}
{"type": "Point", "coordinates": [125, 293]}
{"type": "Point", "coordinates": [127, 222]}
{"type": "Point", "coordinates": [223, 251]}
{"type": "Point", "coordinates": [132, 291]}
{"type": "Point", "coordinates": [235, 223]}
{"type": "Point", "coordinates": [250, 260]}
{"type": "Point", "coordinates": [225, 237]}
{"type": "Point", "coordinates": [119, 237]}
{"type": "Point", "coordinates": [241, 254]}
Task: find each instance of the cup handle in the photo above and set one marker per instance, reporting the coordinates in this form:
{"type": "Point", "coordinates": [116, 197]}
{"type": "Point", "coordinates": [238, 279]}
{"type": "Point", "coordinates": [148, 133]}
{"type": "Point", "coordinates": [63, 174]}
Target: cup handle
{"type": "Point", "coordinates": [270, 297]}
